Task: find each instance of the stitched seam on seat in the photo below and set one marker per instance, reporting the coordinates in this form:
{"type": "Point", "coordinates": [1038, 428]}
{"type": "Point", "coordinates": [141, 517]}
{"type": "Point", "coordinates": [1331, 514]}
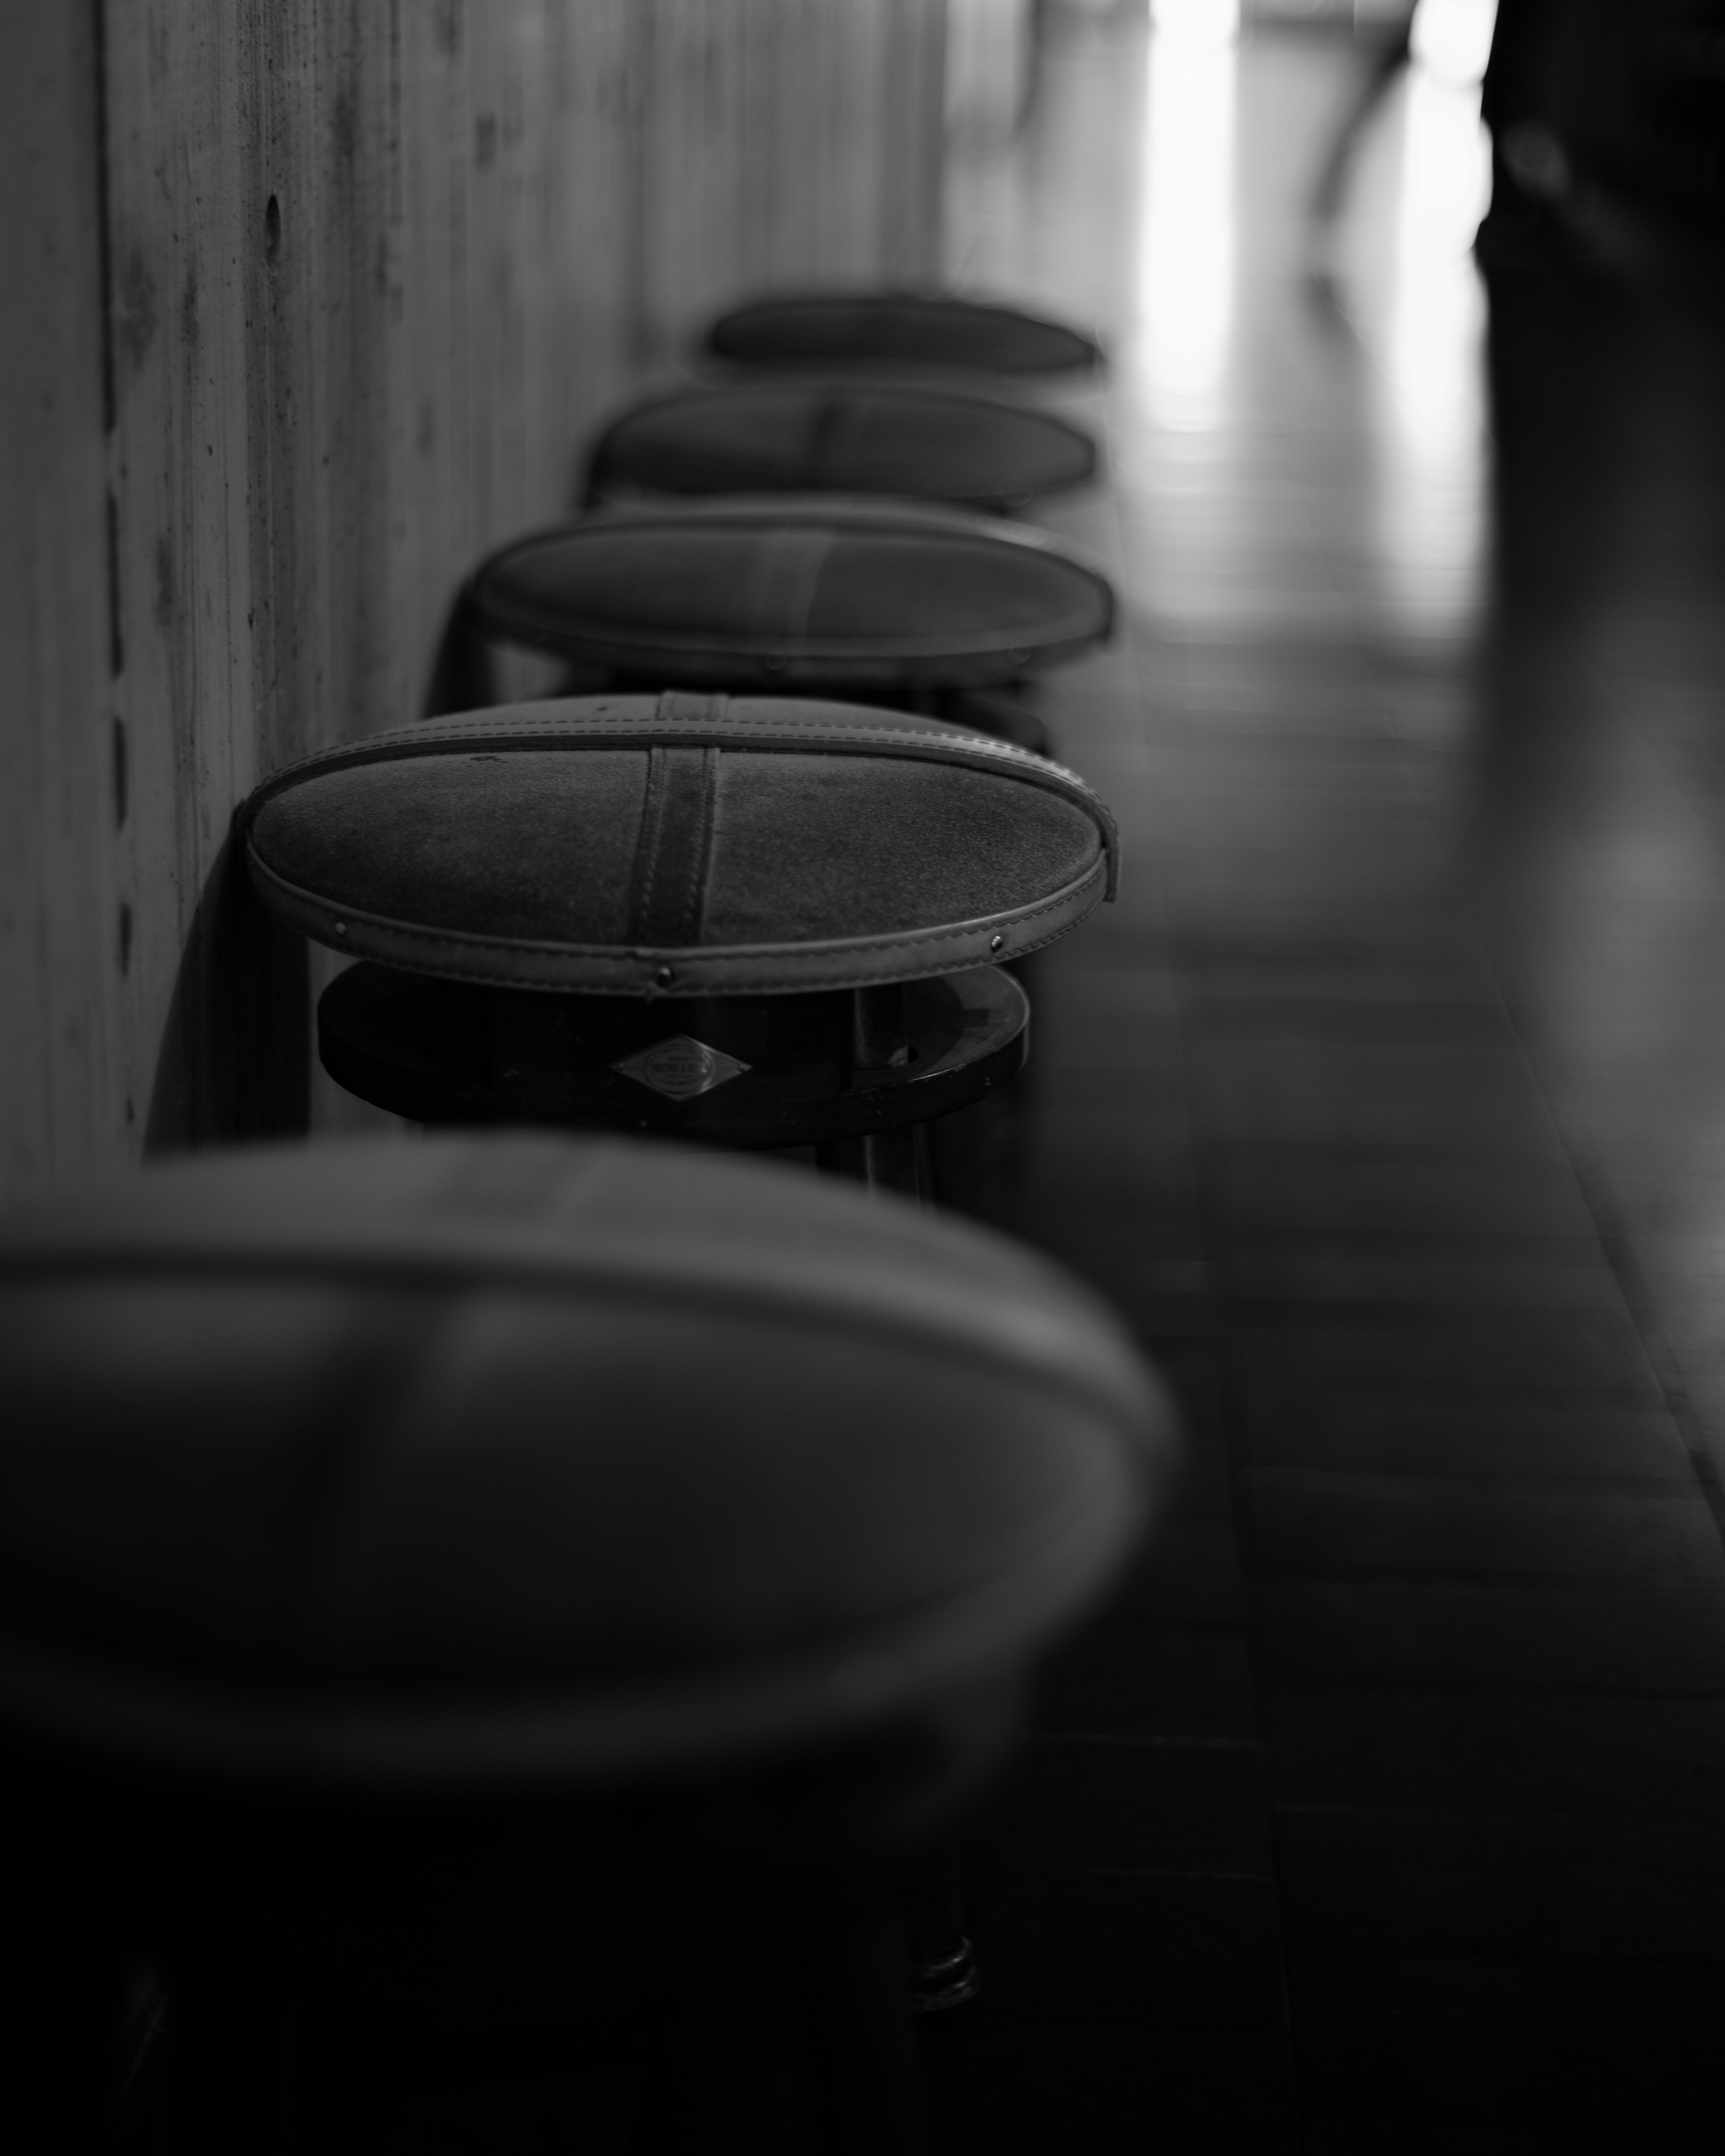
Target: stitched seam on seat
{"type": "Point", "coordinates": [701, 854]}
{"type": "Point", "coordinates": [667, 891]}
{"type": "Point", "coordinates": [644, 873]}
{"type": "Point", "coordinates": [849, 512]}
{"type": "Point", "coordinates": [914, 939]}
{"type": "Point", "coordinates": [736, 981]}
{"type": "Point", "coordinates": [557, 627]}
{"type": "Point", "coordinates": [832, 424]}
{"type": "Point", "coordinates": [703, 709]}
{"type": "Point", "coordinates": [401, 746]}
{"type": "Point", "coordinates": [977, 754]}
{"type": "Point", "coordinates": [782, 591]}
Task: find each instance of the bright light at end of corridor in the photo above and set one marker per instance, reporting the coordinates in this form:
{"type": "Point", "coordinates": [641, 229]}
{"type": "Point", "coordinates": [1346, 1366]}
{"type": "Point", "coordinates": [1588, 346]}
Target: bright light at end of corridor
{"type": "Point", "coordinates": [1428, 339]}
{"type": "Point", "coordinates": [1453, 38]}
{"type": "Point", "coordinates": [1186, 263]}
{"type": "Point", "coordinates": [1197, 22]}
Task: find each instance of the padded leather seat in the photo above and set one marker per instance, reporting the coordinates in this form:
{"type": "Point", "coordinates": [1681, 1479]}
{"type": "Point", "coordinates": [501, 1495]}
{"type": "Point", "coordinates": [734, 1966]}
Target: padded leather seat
{"type": "Point", "coordinates": [898, 329]}
{"type": "Point", "coordinates": [680, 846]}
{"type": "Point", "coordinates": [525, 1461]}
{"type": "Point", "coordinates": [749, 905]}
{"type": "Point", "coordinates": [487, 1577]}
{"type": "Point", "coordinates": [823, 596]}
{"type": "Point", "coordinates": [929, 444]}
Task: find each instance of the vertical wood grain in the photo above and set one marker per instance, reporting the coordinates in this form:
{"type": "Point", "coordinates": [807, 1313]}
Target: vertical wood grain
{"type": "Point", "coordinates": [368, 277]}
{"type": "Point", "coordinates": [60, 923]}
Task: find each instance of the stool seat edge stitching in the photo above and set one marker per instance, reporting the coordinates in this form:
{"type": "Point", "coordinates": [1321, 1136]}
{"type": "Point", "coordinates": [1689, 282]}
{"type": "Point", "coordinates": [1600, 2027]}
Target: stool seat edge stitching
{"type": "Point", "coordinates": [718, 969]}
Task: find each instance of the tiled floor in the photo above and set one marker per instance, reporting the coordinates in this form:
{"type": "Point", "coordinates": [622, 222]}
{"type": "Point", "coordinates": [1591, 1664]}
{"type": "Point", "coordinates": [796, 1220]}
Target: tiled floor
{"type": "Point", "coordinates": [1382, 1813]}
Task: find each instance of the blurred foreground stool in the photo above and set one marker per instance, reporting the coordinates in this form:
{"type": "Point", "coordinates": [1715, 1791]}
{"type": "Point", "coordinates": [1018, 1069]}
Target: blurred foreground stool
{"type": "Point", "coordinates": [898, 329]}
{"type": "Point", "coordinates": [468, 1604]}
{"type": "Point", "coordinates": [909, 438]}
{"type": "Point", "coordinates": [756, 921]}
{"type": "Point", "coordinates": [872, 601]}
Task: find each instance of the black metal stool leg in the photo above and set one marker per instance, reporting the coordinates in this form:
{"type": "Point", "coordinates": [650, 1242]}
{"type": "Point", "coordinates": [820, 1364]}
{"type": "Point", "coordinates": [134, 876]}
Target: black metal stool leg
{"type": "Point", "coordinates": [806, 2050]}
{"type": "Point", "coordinates": [943, 1963]}
{"type": "Point", "coordinates": [864, 2096]}
{"type": "Point", "coordinates": [886, 1160]}
{"type": "Point", "coordinates": [891, 1160]}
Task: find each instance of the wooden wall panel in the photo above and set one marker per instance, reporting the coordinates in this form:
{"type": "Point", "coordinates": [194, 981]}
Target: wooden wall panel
{"type": "Point", "coordinates": [58, 915]}
{"type": "Point", "coordinates": [368, 276]}
{"type": "Point", "coordinates": [784, 141]}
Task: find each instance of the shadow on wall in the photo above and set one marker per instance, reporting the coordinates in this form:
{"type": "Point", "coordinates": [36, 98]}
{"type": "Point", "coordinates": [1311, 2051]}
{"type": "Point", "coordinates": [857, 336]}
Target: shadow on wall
{"type": "Point", "coordinates": [236, 1053]}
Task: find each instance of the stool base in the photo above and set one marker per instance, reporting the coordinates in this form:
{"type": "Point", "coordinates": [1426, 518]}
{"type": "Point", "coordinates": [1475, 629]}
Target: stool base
{"type": "Point", "coordinates": [944, 1971]}
{"type": "Point", "coordinates": [767, 1070]}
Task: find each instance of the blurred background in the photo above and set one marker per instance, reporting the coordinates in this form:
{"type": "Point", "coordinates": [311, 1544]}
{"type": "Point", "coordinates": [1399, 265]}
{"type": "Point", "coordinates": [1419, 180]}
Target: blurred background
{"type": "Point", "coordinates": [1387, 1105]}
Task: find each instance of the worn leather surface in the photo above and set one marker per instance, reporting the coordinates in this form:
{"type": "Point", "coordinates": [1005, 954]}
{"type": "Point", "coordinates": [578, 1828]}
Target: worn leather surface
{"type": "Point", "coordinates": [681, 845]}
{"type": "Point", "coordinates": [774, 592]}
{"type": "Point", "coordinates": [929, 443]}
{"type": "Point", "coordinates": [484, 1457]}
{"type": "Point", "coordinates": [925, 329]}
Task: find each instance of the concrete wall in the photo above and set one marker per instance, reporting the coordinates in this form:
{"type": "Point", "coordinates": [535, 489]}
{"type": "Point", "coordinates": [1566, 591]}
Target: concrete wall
{"type": "Point", "coordinates": [309, 303]}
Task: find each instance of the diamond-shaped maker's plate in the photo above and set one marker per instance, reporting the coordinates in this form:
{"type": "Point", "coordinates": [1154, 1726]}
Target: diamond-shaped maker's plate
{"type": "Point", "coordinates": [680, 1067]}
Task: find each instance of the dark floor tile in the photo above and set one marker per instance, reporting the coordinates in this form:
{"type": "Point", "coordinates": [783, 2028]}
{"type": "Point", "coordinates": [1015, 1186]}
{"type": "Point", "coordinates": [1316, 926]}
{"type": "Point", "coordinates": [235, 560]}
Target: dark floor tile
{"type": "Point", "coordinates": [1117, 1683]}
{"type": "Point", "coordinates": [1079, 1081]}
{"type": "Point", "coordinates": [1537, 1355]}
{"type": "Point", "coordinates": [1438, 1636]}
{"type": "Point", "coordinates": [1592, 2046]}
{"type": "Point", "coordinates": [1339, 1278]}
{"type": "Point", "coordinates": [1369, 1072]}
{"type": "Point", "coordinates": [1223, 987]}
{"type": "Point", "coordinates": [1096, 1236]}
{"type": "Point", "coordinates": [1394, 2131]}
{"type": "Point", "coordinates": [1514, 1129]}
{"type": "Point", "coordinates": [1364, 772]}
{"type": "Point", "coordinates": [1349, 1190]}
{"type": "Point", "coordinates": [1322, 899]}
{"type": "Point", "coordinates": [1124, 1804]}
{"type": "Point", "coordinates": [1155, 1156]}
{"type": "Point", "coordinates": [1251, 1109]}
{"type": "Point", "coordinates": [1188, 1574]}
{"type": "Point", "coordinates": [1072, 981]}
{"type": "Point", "coordinates": [1128, 1950]}
{"type": "Point", "coordinates": [1191, 1371]}
{"type": "Point", "coordinates": [1106, 2091]}
{"type": "Point", "coordinates": [1534, 1752]}
{"type": "Point", "coordinates": [1453, 1882]}
{"type": "Point", "coordinates": [1315, 1011]}
{"type": "Point", "coordinates": [1410, 948]}
{"type": "Point", "coordinates": [1085, 1044]}
{"type": "Point", "coordinates": [1203, 1491]}
{"type": "Point", "coordinates": [1316, 1523]}
{"type": "Point", "coordinates": [1392, 1436]}
{"type": "Point", "coordinates": [1163, 1299]}
{"type": "Point", "coordinates": [1411, 1241]}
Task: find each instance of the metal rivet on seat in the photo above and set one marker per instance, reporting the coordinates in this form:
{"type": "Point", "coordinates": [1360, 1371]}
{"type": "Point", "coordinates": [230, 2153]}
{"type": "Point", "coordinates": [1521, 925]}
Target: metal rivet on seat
{"type": "Point", "coordinates": [663, 977]}
{"type": "Point", "coordinates": [996, 943]}
{"type": "Point", "coordinates": [341, 928]}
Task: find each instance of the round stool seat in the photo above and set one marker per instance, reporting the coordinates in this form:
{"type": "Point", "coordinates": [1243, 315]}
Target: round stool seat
{"type": "Point", "coordinates": [936, 445]}
{"type": "Point", "coordinates": [680, 847]}
{"type": "Point", "coordinates": [900, 329]}
{"type": "Point", "coordinates": [520, 1464]}
{"type": "Point", "coordinates": [791, 593]}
